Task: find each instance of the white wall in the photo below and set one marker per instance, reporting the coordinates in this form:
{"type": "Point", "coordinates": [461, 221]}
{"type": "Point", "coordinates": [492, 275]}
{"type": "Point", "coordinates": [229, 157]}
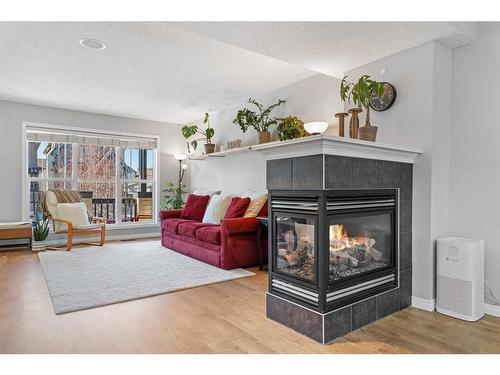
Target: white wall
{"type": "Point", "coordinates": [312, 99]}
{"type": "Point", "coordinates": [13, 114]}
{"type": "Point", "coordinates": [446, 105]}
{"type": "Point", "coordinates": [441, 145]}
{"type": "Point", "coordinates": [419, 118]}
{"type": "Point", "coordinates": [475, 146]}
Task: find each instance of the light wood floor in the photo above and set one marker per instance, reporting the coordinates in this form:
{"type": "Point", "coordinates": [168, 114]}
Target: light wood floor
{"type": "Point", "coordinates": [227, 317]}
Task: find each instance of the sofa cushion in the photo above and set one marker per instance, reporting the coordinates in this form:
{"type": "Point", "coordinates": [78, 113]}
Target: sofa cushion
{"type": "Point", "coordinates": [75, 213]}
{"type": "Point", "coordinates": [189, 228]}
{"type": "Point", "coordinates": [255, 206]}
{"type": "Point", "coordinates": [237, 207]}
{"type": "Point", "coordinates": [210, 234]}
{"type": "Point", "coordinates": [181, 241]}
{"type": "Point", "coordinates": [216, 209]}
{"type": "Point", "coordinates": [195, 207]}
{"type": "Point", "coordinates": [264, 211]}
{"type": "Point", "coordinates": [171, 225]}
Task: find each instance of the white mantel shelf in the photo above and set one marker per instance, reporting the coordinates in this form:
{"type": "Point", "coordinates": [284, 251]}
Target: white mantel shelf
{"type": "Point", "coordinates": [329, 145]}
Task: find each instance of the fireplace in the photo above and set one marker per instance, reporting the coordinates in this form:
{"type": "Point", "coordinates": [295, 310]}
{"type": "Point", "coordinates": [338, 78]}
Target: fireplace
{"type": "Point", "coordinates": [333, 248]}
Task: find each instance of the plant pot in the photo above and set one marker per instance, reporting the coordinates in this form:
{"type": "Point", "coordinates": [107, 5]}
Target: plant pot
{"type": "Point", "coordinates": [264, 137]}
{"type": "Point", "coordinates": [368, 133]}
{"type": "Point", "coordinates": [209, 148]}
{"type": "Point", "coordinates": [38, 246]}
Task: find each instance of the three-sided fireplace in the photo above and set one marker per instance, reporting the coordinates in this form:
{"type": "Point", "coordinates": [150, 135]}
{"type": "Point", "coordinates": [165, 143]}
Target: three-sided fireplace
{"type": "Point", "coordinates": [332, 248]}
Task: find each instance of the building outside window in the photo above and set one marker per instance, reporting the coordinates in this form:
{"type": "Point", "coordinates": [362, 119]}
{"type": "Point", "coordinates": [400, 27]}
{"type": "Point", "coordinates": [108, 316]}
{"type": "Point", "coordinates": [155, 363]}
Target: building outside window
{"type": "Point", "coordinates": [114, 174]}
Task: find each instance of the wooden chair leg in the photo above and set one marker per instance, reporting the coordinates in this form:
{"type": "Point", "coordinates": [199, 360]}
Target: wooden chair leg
{"type": "Point", "coordinates": [103, 236]}
{"type": "Point", "coordinates": [70, 240]}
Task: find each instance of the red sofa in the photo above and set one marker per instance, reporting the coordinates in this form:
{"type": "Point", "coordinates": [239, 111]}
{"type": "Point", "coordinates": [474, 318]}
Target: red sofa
{"type": "Point", "coordinates": [232, 244]}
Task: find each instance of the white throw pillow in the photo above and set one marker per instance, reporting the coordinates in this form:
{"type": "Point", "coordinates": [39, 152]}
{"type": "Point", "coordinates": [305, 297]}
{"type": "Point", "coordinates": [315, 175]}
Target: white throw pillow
{"type": "Point", "coordinates": [75, 213]}
{"type": "Point", "coordinates": [216, 209]}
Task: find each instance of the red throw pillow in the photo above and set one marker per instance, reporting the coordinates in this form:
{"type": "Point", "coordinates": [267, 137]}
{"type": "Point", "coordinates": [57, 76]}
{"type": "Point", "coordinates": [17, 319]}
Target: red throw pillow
{"type": "Point", "coordinates": [195, 207]}
{"type": "Point", "coordinates": [237, 207]}
{"type": "Point", "coordinates": [264, 211]}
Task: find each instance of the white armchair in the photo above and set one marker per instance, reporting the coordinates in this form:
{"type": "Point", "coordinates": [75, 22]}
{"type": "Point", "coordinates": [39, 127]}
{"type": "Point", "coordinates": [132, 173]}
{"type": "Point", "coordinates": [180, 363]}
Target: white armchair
{"type": "Point", "coordinates": [69, 215]}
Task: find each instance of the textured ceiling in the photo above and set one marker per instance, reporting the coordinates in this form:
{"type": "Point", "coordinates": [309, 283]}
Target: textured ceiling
{"type": "Point", "coordinates": [147, 70]}
{"type": "Point", "coordinates": [332, 47]}
{"type": "Point", "coordinates": [174, 72]}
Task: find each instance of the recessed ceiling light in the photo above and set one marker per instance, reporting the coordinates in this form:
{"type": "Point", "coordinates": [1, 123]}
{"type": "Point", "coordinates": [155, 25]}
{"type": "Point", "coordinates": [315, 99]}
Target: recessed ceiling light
{"type": "Point", "coordinates": [92, 43]}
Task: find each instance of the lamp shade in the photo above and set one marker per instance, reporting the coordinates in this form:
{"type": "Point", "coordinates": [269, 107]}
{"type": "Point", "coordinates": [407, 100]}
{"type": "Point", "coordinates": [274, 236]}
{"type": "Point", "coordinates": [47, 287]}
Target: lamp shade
{"type": "Point", "coordinates": [180, 156]}
{"type": "Point", "coordinates": [316, 127]}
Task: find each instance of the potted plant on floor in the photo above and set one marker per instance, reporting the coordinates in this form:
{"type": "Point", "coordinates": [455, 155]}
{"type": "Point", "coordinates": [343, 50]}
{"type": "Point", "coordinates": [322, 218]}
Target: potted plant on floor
{"type": "Point", "coordinates": [190, 130]}
{"type": "Point", "coordinates": [290, 127]}
{"type": "Point", "coordinates": [359, 93]}
{"type": "Point", "coordinates": [173, 200]}
{"type": "Point", "coordinates": [40, 234]}
{"type": "Point", "coordinates": [260, 121]}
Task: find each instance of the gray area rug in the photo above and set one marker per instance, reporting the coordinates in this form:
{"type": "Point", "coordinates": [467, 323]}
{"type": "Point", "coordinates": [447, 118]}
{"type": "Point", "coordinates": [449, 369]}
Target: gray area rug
{"type": "Point", "coordinates": [97, 276]}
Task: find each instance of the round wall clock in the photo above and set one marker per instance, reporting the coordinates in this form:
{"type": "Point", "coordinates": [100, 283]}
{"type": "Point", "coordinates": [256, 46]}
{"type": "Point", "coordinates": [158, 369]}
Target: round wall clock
{"type": "Point", "coordinates": [386, 100]}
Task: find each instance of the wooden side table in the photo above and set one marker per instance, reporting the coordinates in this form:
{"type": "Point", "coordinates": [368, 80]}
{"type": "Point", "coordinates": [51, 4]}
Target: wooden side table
{"type": "Point", "coordinates": [16, 231]}
{"type": "Point", "coordinates": [261, 228]}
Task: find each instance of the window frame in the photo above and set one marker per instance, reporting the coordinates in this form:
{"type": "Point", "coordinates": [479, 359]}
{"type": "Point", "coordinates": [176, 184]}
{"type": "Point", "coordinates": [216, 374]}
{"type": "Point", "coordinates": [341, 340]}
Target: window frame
{"type": "Point", "coordinates": [27, 126]}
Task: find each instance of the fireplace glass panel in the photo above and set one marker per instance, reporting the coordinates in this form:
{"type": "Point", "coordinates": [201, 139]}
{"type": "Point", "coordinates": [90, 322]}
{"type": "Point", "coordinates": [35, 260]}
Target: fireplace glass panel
{"type": "Point", "coordinates": [295, 244]}
{"type": "Point", "coordinates": [359, 244]}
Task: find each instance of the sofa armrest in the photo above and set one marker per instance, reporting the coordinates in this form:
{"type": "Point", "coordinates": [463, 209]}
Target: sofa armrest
{"type": "Point", "coordinates": [169, 214]}
{"type": "Point", "coordinates": [239, 225]}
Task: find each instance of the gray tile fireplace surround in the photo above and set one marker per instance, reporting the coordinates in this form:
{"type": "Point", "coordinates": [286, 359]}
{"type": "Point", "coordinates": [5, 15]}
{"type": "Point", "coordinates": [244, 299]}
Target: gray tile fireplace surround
{"type": "Point", "coordinates": [345, 172]}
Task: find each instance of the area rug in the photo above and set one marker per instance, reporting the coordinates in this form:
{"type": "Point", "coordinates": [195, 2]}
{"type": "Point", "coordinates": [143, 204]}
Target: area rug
{"type": "Point", "coordinates": [97, 276]}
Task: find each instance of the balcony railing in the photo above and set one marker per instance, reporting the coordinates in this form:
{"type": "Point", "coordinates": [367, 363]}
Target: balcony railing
{"type": "Point", "coordinates": [105, 208]}
{"type": "Point", "coordinates": [133, 209]}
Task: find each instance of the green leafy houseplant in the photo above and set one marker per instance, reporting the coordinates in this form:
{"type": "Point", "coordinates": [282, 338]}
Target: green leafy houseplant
{"type": "Point", "coordinates": [189, 130]}
{"type": "Point", "coordinates": [360, 93]}
{"type": "Point", "coordinates": [290, 127]}
{"type": "Point", "coordinates": [260, 120]}
{"type": "Point", "coordinates": [173, 200]}
{"type": "Point", "coordinates": [41, 229]}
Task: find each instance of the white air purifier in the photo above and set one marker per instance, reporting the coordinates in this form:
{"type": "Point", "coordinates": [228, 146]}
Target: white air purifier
{"type": "Point", "coordinates": [460, 278]}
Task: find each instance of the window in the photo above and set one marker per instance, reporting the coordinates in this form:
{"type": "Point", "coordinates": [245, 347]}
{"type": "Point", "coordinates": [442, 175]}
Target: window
{"type": "Point", "coordinates": [136, 179]}
{"type": "Point", "coordinates": [115, 175]}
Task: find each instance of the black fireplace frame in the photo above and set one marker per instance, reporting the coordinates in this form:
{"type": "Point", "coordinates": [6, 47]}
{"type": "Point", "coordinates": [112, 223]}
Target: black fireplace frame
{"type": "Point", "coordinates": [318, 292]}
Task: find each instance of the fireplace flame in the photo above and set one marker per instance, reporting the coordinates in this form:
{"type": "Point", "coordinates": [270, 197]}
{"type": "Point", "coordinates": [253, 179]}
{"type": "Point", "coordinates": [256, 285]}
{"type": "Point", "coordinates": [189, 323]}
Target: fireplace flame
{"type": "Point", "coordinates": [340, 240]}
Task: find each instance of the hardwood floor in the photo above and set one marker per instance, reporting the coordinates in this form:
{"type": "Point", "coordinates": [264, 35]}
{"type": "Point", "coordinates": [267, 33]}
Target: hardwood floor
{"type": "Point", "coordinates": [227, 317]}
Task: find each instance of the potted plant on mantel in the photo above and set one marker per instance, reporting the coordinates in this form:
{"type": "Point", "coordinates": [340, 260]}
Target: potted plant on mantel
{"type": "Point", "coordinates": [290, 127]}
{"type": "Point", "coordinates": [261, 121]}
{"type": "Point", "coordinates": [359, 93]}
{"type": "Point", "coordinates": [190, 130]}
{"type": "Point", "coordinates": [40, 234]}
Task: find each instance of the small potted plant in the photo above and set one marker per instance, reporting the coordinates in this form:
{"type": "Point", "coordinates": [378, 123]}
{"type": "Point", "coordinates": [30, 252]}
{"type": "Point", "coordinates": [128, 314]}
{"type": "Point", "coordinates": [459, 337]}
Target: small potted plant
{"type": "Point", "coordinates": [40, 234]}
{"type": "Point", "coordinates": [190, 130]}
{"type": "Point", "coordinates": [290, 127]}
{"type": "Point", "coordinates": [359, 93]}
{"type": "Point", "coordinates": [260, 121]}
